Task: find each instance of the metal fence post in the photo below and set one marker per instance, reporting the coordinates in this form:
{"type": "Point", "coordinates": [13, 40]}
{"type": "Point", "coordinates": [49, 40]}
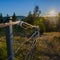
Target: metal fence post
{"type": "Point", "coordinates": [9, 41]}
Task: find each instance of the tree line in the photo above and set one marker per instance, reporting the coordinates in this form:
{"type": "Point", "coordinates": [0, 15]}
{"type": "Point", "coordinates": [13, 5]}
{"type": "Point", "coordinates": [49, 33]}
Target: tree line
{"type": "Point", "coordinates": [7, 18]}
{"type": "Point", "coordinates": [45, 25]}
{"type": "Point", "coordinates": [35, 18]}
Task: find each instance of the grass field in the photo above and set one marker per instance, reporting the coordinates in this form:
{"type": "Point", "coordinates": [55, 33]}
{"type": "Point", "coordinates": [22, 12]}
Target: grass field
{"type": "Point", "coordinates": [47, 48]}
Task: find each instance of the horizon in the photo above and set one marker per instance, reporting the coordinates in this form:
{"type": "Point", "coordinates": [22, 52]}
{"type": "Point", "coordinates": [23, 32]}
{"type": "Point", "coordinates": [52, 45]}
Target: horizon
{"type": "Point", "coordinates": [22, 7]}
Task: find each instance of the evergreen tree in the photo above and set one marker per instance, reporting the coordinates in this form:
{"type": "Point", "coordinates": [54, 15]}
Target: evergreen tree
{"type": "Point", "coordinates": [1, 18]}
{"type": "Point", "coordinates": [36, 11]}
{"type": "Point", "coordinates": [30, 19]}
{"type": "Point", "coordinates": [14, 17]}
{"type": "Point", "coordinates": [8, 18]}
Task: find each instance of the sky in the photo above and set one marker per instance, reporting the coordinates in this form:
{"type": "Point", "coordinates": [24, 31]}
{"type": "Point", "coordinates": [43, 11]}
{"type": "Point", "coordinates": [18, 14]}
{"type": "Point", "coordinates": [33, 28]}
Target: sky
{"type": "Point", "coordinates": [22, 7]}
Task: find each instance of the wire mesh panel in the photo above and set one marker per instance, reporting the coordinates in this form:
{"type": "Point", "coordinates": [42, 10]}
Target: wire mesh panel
{"type": "Point", "coordinates": [20, 40]}
{"type": "Point", "coordinates": [24, 42]}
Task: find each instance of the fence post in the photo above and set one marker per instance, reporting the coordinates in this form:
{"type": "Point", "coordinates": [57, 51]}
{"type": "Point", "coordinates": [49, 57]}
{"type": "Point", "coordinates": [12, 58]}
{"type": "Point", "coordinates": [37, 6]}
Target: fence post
{"type": "Point", "coordinates": [9, 41]}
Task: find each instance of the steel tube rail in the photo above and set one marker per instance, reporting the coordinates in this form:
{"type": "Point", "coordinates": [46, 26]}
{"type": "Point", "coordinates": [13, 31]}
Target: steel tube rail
{"type": "Point", "coordinates": [2, 25]}
{"type": "Point", "coordinates": [8, 24]}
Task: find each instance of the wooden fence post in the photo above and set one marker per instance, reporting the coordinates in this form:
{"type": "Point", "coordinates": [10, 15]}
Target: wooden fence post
{"type": "Point", "coordinates": [9, 41]}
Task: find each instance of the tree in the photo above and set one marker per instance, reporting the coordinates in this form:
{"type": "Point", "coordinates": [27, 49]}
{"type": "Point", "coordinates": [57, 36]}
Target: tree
{"type": "Point", "coordinates": [30, 18]}
{"type": "Point", "coordinates": [49, 25]}
{"type": "Point", "coordinates": [29, 14]}
{"type": "Point", "coordinates": [36, 11]}
{"type": "Point", "coordinates": [39, 22]}
{"type": "Point", "coordinates": [58, 23]}
{"type": "Point", "coordinates": [14, 17]}
{"type": "Point", "coordinates": [35, 19]}
{"type": "Point", "coordinates": [1, 21]}
{"type": "Point", "coordinates": [8, 18]}
{"type": "Point", "coordinates": [1, 18]}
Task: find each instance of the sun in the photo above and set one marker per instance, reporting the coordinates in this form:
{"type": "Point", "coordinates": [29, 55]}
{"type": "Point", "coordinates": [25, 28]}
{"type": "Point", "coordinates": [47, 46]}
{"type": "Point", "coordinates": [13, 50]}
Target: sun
{"type": "Point", "coordinates": [52, 13]}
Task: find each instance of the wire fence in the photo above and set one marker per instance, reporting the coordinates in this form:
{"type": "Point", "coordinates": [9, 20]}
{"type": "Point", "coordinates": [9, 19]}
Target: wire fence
{"type": "Point", "coordinates": [18, 41]}
{"type": "Point", "coordinates": [24, 40]}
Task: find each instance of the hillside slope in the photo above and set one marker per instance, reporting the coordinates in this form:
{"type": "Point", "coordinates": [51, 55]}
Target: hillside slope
{"type": "Point", "coordinates": [48, 46]}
